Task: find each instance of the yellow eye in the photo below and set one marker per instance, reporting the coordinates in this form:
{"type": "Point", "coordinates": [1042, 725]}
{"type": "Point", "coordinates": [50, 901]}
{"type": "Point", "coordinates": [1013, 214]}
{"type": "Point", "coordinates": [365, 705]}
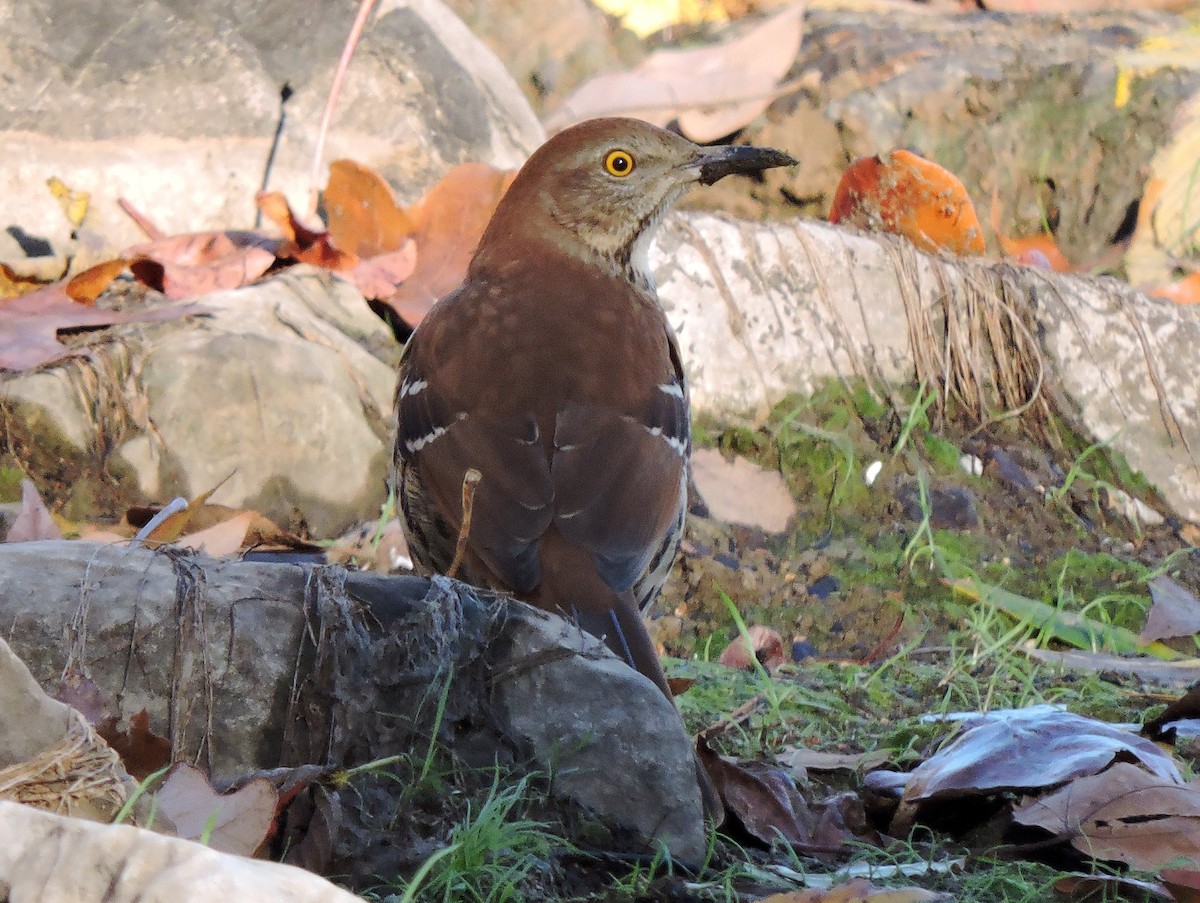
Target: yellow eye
{"type": "Point", "coordinates": [619, 163]}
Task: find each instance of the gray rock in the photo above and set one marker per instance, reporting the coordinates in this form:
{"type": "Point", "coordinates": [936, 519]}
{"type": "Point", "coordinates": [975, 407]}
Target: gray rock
{"type": "Point", "coordinates": [246, 665]}
{"type": "Point", "coordinates": [174, 106]}
{"type": "Point", "coordinates": [607, 734]}
{"type": "Point", "coordinates": [274, 392]}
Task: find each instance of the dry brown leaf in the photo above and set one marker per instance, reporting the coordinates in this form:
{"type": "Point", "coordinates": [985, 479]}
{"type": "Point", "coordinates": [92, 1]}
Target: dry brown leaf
{"type": "Point", "coordinates": [815, 760]}
{"type": "Point", "coordinates": [1039, 250]}
{"type": "Point", "coordinates": [184, 266]}
{"type": "Point", "coordinates": [301, 242]}
{"type": "Point", "coordinates": [176, 524]}
{"type": "Point", "coordinates": [905, 194]}
{"type": "Point", "coordinates": [361, 211]}
{"type": "Point", "coordinates": [31, 323]}
{"type": "Point", "coordinates": [375, 277]}
{"type": "Point", "coordinates": [34, 521]}
{"type": "Point", "coordinates": [1182, 884]}
{"type": "Point", "coordinates": [242, 531]}
{"type": "Point", "coordinates": [711, 92]}
{"type": "Point", "coordinates": [763, 643]}
{"type": "Point", "coordinates": [1175, 611]}
{"type": "Point", "coordinates": [225, 538]}
{"type": "Point", "coordinates": [142, 751]}
{"type": "Point", "coordinates": [1097, 888]}
{"type": "Point", "coordinates": [449, 222]}
{"type": "Point", "coordinates": [1123, 814]}
{"type": "Point", "coordinates": [739, 492]}
{"type": "Point", "coordinates": [235, 822]}
{"type": "Point", "coordinates": [765, 800]}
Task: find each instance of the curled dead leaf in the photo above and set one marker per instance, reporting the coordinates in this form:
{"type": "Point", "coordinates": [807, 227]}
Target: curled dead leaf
{"type": "Point", "coordinates": [904, 194]}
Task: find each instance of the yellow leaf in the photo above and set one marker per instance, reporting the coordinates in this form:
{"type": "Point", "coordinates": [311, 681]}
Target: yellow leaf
{"type": "Point", "coordinates": [74, 203]}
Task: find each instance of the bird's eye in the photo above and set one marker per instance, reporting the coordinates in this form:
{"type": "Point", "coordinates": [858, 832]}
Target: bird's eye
{"type": "Point", "coordinates": [619, 163]}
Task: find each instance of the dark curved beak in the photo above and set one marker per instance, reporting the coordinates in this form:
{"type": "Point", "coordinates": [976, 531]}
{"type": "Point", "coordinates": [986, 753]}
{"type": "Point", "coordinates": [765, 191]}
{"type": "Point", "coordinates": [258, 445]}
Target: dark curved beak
{"type": "Point", "coordinates": [718, 162]}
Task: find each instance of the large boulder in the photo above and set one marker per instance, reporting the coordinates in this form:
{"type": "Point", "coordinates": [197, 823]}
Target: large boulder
{"type": "Point", "coordinates": [174, 107]}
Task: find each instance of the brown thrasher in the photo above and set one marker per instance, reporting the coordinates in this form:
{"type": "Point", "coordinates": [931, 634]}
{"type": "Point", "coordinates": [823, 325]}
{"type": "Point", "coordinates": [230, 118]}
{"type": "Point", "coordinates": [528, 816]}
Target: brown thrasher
{"type": "Point", "coordinates": [553, 372]}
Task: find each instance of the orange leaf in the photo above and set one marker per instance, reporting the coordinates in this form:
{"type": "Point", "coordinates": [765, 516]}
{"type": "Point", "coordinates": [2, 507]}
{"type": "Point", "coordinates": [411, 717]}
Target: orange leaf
{"type": "Point", "coordinates": [449, 222]}
{"type": "Point", "coordinates": [908, 195]}
{"type": "Point", "coordinates": [89, 285]}
{"type": "Point", "coordinates": [142, 751]}
{"type": "Point", "coordinates": [761, 642]}
{"type": "Point", "coordinates": [1182, 291]}
{"type": "Point", "coordinates": [302, 243]}
{"type": "Point", "coordinates": [1036, 250]}
{"type": "Point", "coordinates": [361, 211]}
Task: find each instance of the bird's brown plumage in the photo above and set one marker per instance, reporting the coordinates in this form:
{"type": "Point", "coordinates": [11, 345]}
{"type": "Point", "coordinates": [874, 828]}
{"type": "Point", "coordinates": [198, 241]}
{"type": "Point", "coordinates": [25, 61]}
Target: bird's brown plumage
{"type": "Point", "coordinates": [552, 371]}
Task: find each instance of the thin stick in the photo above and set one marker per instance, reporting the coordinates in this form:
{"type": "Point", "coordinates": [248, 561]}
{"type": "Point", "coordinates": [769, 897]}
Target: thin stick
{"type": "Point", "coordinates": [335, 90]}
{"type": "Point", "coordinates": [470, 480]}
{"type": "Point", "coordinates": [143, 222]}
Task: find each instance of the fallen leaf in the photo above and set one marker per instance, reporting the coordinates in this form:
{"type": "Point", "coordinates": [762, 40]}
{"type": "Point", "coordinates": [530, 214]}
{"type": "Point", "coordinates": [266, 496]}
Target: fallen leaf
{"type": "Point", "coordinates": [74, 204]}
{"type": "Point", "coordinates": [1037, 250]}
{"type": "Point", "coordinates": [243, 531]}
{"type": "Point", "coordinates": [237, 822]}
{"type": "Point", "coordinates": [86, 287]}
{"type": "Point", "coordinates": [1123, 814]}
{"type": "Point", "coordinates": [31, 323]}
{"type": "Point", "coordinates": [711, 92]}
{"type": "Point", "coordinates": [448, 222]}
{"type": "Point", "coordinates": [1175, 612]}
{"type": "Point", "coordinates": [184, 266]}
{"type": "Point", "coordinates": [760, 642]}
{"type": "Point", "coordinates": [13, 283]}
{"type": "Point", "coordinates": [907, 195]}
{"type": "Point", "coordinates": [1183, 884]}
{"type": "Point", "coordinates": [376, 278]}
{"type": "Point", "coordinates": [34, 521]}
{"type": "Point", "coordinates": [361, 211]}
{"type": "Point", "coordinates": [142, 751]}
{"type": "Point", "coordinates": [765, 800]}
{"type": "Point", "coordinates": [767, 805]}
{"type": "Point", "coordinates": [737, 491]}
{"type": "Point", "coordinates": [1029, 749]}
{"type": "Point", "coordinates": [81, 693]}
{"type": "Point", "coordinates": [175, 524]}
{"type": "Point", "coordinates": [860, 890]}
{"type": "Point", "coordinates": [1182, 291]}
{"type": "Point", "coordinates": [379, 277]}
{"type": "Point", "coordinates": [816, 760]}
{"type": "Point", "coordinates": [1098, 888]}
{"type": "Point", "coordinates": [680, 685]}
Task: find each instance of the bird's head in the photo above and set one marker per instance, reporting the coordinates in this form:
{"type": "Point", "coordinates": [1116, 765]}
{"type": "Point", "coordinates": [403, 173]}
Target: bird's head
{"type": "Point", "coordinates": [601, 187]}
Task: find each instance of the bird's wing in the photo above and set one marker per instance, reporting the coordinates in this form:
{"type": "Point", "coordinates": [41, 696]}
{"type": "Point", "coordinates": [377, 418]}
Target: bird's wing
{"type": "Point", "coordinates": [512, 506]}
{"type": "Point", "coordinates": [620, 479]}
